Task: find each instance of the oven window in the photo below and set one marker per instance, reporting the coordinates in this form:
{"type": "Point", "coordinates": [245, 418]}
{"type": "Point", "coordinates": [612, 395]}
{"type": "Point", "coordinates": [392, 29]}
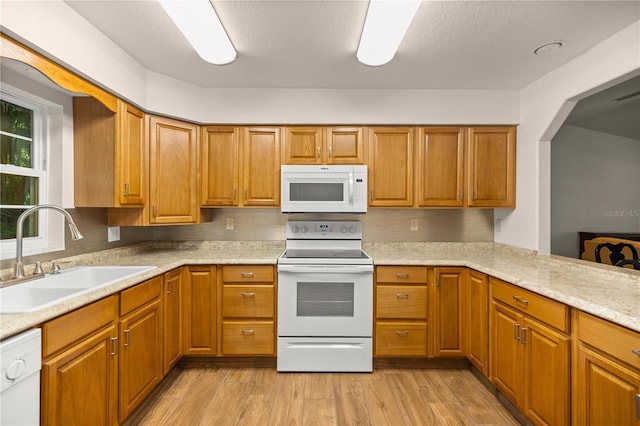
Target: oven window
{"type": "Point", "coordinates": [320, 299]}
{"type": "Point", "coordinates": [308, 191]}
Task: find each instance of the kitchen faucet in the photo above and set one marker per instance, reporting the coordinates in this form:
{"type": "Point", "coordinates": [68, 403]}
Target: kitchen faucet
{"type": "Point", "coordinates": [18, 267]}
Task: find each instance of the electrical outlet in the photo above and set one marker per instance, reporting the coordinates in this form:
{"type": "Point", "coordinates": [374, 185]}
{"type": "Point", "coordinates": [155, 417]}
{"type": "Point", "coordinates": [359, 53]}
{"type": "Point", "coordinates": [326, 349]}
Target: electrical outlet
{"type": "Point", "coordinates": [113, 233]}
{"type": "Point", "coordinates": [414, 224]}
{"type": "Point", "coordinates": [498, 225]}
{"type": "Point", "coordinates": [230, 223]}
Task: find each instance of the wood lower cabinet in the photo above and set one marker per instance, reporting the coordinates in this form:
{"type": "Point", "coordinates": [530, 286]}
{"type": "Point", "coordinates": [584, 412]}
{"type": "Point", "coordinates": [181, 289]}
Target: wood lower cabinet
{"type": "Point", "coordinates": [172, 318]}
{"type": "Point", "coordinates": [530, 352]}
{"type": "Point", "coordinates": [400, 311]}
{"type": "Point", "coordinates": [140, 343]}
{"type": "Point", "coordinates": [447, 324]}
{"type": "Point", "coordinates": [477, 320]}
{"type": "Point", "coordinates": [248, 310]}
{"type": "Point", "coordinates": [606, 373]}
{"type": "Point", "coordinates": [199, 311]}
{"type": "Point", "coordinates": [80, 366]}
{"type": "Point", "coordinates": [391, 158]}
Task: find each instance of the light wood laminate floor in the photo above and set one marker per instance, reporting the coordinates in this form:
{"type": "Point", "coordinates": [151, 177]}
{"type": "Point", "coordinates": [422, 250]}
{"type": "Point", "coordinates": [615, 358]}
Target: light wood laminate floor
{"type": "Point", "coordinates": [262, 396]}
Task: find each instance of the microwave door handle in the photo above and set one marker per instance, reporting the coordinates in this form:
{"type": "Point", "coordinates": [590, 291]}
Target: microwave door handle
{"type": "Point", "coordinates": [351, 188]}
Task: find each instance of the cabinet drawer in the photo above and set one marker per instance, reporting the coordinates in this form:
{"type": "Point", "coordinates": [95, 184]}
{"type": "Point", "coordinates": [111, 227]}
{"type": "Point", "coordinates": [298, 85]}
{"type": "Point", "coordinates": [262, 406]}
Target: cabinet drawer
{"type": "Point", "coordinates": [610, 338]}
{"type": "Point", "coordinates": [139, 295]}
{"type": "Point", "coordinates": [401, 301]}
{"type": "Point", "coordinates": [247, 301]}
{"type": "Point", "coordinates": [79, 324]}
{"type": "Point", "coordinates": [401, 274]}
{"type": "Point", "coordinates": [247, 273]}
{"type": "Point", "coordinates": [248, 338]}
{"type": "Point", "coordinates": [401, 339]}
{"type": "Point", "coordinates": [554, 313]}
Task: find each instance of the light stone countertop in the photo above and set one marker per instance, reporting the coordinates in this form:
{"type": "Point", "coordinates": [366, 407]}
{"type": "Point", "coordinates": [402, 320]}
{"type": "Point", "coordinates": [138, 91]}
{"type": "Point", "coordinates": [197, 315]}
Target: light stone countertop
{"type": "Point", "coordinates": [605, 291]}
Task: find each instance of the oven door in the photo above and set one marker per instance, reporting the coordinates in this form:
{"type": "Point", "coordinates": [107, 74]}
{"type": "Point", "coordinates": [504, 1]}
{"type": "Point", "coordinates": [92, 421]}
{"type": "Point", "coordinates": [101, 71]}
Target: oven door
{"type": "Point", "coordinates": [328, 300]}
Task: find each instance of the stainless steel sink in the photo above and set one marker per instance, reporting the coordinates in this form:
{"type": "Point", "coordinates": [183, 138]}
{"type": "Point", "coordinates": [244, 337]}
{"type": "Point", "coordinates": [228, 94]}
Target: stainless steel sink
{"type": "Point", "coordinates": [54, 288]}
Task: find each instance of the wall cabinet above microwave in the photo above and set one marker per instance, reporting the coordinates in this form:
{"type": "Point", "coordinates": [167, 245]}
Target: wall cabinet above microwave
{"type": "Point", "coordinates": [323, 145]}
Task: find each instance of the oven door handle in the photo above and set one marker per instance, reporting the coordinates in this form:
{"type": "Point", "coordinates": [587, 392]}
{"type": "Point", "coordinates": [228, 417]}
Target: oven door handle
{"type": "Point", "coordinates": [326, 269]}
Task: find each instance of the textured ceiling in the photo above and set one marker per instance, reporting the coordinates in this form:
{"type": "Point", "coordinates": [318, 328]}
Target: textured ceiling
{"type": "Point", "coordinates": [312, 44]}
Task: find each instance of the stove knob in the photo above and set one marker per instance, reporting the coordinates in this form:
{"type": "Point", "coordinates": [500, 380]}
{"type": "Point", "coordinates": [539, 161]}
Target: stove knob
{"type": "Point", "coordinates": [343, 229]}
{"type": "Point", "coordinates": [304, 229]}
{"type": "Point", "coordinates": [295, 229]}
{"type": "Point", "coordinates": [352, 229]}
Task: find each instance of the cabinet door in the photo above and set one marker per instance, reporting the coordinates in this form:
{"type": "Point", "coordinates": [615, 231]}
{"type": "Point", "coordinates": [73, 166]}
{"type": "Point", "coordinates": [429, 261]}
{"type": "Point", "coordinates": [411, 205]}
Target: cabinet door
{"type": "Point", "coordinates": [80, 386]}
{"type": "Point", "coordinates": [261, 166]}
{"type": "Point", "coordinates": [477, 318]}
{"type": "Point", "coordinates": [131, 155]}
{"type": "Point", "coordinates": [606, 390]}
{"type": "Point", "coordinates": [391, 166]}
{"type": "Point", "coordinates": [546, 374]}
{"type": "Point", "coordinates": [303, 145]}
{"type": "Point", "coordinates": [220, 168]}
{"type": "Point", "coordinates": [491, 167]}
{"type": "Point", "coordinates": [448, 309]}
{"type": "Point", "coordinates": [140, 355]}
{"type": "Point", "coordinates": [199, 311]}
{"type": "Point", "coordinates": [173, 153]}
{"type": "Point", "coordinates": [440, 169]}
{"type": "Point", "coordinates": [172, 306]}
{"type": "Point", "coordinates": [506, 352]}
{"type": "Point", "coordinates": [344, 145]}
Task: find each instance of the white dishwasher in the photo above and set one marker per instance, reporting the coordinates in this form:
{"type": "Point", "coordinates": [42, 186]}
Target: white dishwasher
{"type": "Point", "coordinates": [21, 360]}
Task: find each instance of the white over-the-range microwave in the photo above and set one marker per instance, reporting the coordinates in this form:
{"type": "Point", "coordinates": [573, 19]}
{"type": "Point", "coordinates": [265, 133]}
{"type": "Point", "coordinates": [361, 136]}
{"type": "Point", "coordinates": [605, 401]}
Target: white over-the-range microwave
{"type": "Point", "coordinates": [323, 189]}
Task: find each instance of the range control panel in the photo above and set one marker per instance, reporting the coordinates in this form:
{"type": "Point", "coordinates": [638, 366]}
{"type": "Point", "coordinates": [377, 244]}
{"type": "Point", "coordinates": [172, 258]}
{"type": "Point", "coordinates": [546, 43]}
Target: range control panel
{"type": "Point", "coordinates": [324, 230]}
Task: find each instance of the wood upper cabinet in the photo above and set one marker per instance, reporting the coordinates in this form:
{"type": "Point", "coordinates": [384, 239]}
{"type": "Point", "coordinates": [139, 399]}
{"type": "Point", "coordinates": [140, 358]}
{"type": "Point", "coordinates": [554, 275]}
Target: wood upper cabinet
{"type": "Point", "coordinates": [448, 311]}
{"type": "Point", "coordinates": [440, 167]}
{"type": "Point", "coordinates": [109, 154]}
{"type": "Point", "coordinates": [491, 167]}
{"type": "Point", "coordinates": [172, 319]}
{"type": "Point", "coordinates": [391, 158]}
{"type": "Point", "coordinates": [477, 320]}
{"type": "Point", "coordinates": [80, 366]}
{"type": "Point", "coordinates": [323, 145]}
{"type": "Point", "coordinates": [606, 372]}
{"type": "Point", "coordinates": [261, 167]}
{"type": "Point", "coordinates": [173, 171]}
{"type": "Point", "coordinates": [220, 148]}
{"type": "Point", "coordinates": [530, 352]}
{"type": "Point", "coordinates": [199, 311]}
{"type": "Point", "coordinates": [140, 343]}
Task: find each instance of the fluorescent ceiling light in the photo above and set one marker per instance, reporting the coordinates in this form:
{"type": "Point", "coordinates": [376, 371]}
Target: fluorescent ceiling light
{"type": "Point", "coordinates": [200, 24]}
{"type": "Point", "coordinates": [386, 24]}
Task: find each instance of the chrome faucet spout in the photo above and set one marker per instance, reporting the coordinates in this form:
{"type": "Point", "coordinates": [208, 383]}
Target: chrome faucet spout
{"type": "Point", "coordinates": [18, 270]}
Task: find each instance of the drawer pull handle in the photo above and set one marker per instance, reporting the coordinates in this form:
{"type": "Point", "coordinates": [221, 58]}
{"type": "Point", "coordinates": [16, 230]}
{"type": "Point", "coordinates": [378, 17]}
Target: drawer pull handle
{"type": "Point", "coordinates": [402, 275]}
{"type": "Point", "coordinates": [402, 295]}
{"type": "Point", "coordinates": [402, 332]}
{"type": "Point", "coordinates": [516, 331]}
{"type": "Point", "coordinates": [248, 294]}
{"type": "Point", "coordinates": [523, 335]}
{"type": "Point", "coordinates": [246, 274]}
{"type": "Point", "coordinates": [521, 300]}
{"type": "Point", "coordinates": [247, 332]}
{"type": "Point", "coordinates": [636, 351]}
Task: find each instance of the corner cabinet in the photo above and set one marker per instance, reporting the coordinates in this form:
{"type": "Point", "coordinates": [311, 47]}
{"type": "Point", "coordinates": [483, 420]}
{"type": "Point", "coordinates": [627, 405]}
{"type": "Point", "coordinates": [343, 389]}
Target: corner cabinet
{"type": "Point", "coordinates": [491, 167]}
{"type": "Point", "coordinates": [530, 350]}
{"type": "Point", "coordinates": [323, 145]}
{"type": "Point", "coordinates": [447, 324]}
{"type": "Point", "coordinates": [109, 154]}
{"type": "Point", "coordinates": [391, 158]}
{"type": "Point", "coordinates": [172, 318]}
{"type": "Point", "coordinates": [477, 320]}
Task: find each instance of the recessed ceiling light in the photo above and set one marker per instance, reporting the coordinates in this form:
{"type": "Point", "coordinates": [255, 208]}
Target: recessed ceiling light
{"type": "Point", "coordinates": [384, 28]}
{"type": "Point", "coordinates": [198, 21]}
{"type": "Point", "coordinates": [548, 48]}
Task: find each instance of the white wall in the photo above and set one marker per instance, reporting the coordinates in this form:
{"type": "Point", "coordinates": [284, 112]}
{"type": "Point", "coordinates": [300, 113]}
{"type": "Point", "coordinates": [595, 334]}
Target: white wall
{"type": "Point", "coordinates": [544, 106]}
{"type": "Point", "coordinates": [596, 186]}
